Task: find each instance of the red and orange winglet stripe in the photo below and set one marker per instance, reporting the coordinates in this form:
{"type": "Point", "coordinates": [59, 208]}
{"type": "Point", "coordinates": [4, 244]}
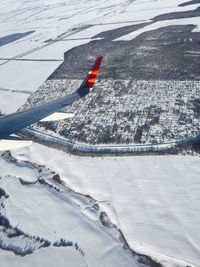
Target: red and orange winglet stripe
{"type": "Point", "coordinates": [93, 74]}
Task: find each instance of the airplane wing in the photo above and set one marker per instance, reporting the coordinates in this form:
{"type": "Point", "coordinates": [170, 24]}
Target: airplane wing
{"type": "Point", "coordinates": [14, 122]}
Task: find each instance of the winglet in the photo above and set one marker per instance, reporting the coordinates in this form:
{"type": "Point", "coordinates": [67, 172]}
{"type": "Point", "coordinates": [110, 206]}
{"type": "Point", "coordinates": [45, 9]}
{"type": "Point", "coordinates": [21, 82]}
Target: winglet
{"type": "Point", "coordinates": [90, 79]}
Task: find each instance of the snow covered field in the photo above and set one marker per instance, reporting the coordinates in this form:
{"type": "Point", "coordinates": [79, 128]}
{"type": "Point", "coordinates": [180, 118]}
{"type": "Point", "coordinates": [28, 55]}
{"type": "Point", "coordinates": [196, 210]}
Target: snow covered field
{"type": "Point", "coordinates": [153, 200]}
{"type": "Point", "coordinates": [53, 215]}
{"type": "Point", "coordinates": [160, 24]}
{"type": "Point", "coordinates": [58, 26]}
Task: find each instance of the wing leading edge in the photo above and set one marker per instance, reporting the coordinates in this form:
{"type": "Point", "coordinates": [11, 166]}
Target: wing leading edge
{"type": "Point", "coordinates": [14, 122]}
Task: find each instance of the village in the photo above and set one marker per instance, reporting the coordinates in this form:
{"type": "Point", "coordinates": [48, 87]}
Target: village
{"type": "Point", "coordinates": [126, 112]}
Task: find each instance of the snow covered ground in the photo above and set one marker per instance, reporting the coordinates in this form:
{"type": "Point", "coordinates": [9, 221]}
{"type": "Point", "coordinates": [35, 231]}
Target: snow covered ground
{"type": "Point", "coordinates": [58, 26]}
{"type": "Point", "coordinates": [153, 200]}
{"type": "Point", "coordinates": [42, 212]}
{"type": "Point", "coordinates": [160, 24]}
{"type": "Point", "coordinates": [11, 101]}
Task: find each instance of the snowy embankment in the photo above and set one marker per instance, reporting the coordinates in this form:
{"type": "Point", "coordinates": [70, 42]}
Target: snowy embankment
{"type": "Point", "coordinates": [77, 147]}
{"type": "Point", "coordinates": [84, 149]}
